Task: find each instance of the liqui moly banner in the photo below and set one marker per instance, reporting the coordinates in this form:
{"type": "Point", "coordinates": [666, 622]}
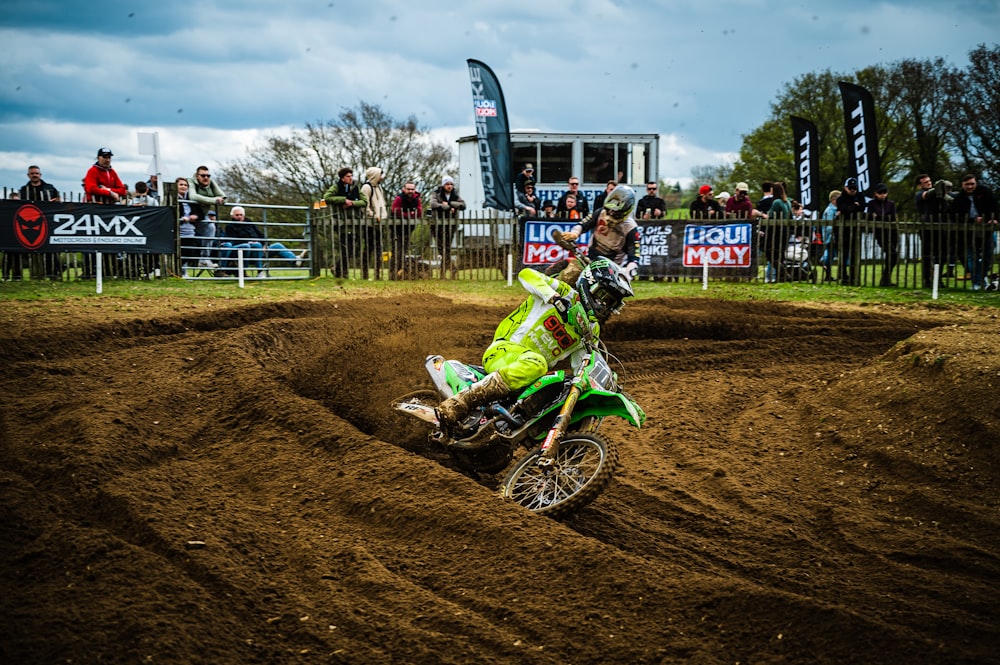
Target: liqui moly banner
{"type": "Point", "coordinates": [806, 151]}
{"type": "Point", "coordinates": [539, 247]}
{"type": "Point", "coordinates": [86, 227]}
{"type": "Point", "coordinates": [668, 248]}
{"type": "Point", "coordinates": [493, 136]}
{"type": "Point", "coordinates": [862, 136]}
{"type": "Point", "coordinates": [718, 245]}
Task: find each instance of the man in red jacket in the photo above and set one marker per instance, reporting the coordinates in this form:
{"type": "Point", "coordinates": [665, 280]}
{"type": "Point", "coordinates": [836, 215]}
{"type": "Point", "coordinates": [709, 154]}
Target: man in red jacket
{"type": "Point", "coordinates": [102, 184]}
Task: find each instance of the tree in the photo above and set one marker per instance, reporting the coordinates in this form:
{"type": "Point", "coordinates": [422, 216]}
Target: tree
{"type": "Point", "coordinates": [974, 113]}
{"type": "Point", "coordinates": [296, 169]}
{"type": "Point", "coordinates": [920, 90]}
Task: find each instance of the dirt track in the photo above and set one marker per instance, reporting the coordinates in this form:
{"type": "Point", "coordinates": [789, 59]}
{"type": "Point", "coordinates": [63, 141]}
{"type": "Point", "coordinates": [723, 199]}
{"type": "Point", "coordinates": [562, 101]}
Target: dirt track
{"type": "Point", "coordinates": [814, 485]}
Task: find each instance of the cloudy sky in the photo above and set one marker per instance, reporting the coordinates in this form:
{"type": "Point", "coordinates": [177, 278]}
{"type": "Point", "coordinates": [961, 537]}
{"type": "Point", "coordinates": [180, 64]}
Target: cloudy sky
{"type": "Point", "coordinates": [212, 77]}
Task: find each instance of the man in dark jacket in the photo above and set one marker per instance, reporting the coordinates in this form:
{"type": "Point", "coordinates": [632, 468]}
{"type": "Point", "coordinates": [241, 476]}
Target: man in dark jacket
{"type": "Point", "coordinates": [348, 205]}
{"type": "Point", "coordinates": [651, 206]}
{"type": "Point", "coordinates": [37, 189]}
{"type": "Point", "coordinates": [976, 208]}
{"type": "Point", "coordinates": [883, 209]}
{"type": "Point", "coordinates": [850, 208]}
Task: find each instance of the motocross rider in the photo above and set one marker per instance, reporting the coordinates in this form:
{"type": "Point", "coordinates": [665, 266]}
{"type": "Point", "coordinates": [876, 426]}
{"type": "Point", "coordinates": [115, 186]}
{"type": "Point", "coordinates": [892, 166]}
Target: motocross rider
{"type": "Point", "coordinates": [540, 333]}
{"type": "Point", "coordinates": [616, 234]}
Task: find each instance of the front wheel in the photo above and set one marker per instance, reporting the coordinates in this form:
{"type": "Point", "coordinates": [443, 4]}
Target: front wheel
{"type": "Point", "coordinates": [580, 471]}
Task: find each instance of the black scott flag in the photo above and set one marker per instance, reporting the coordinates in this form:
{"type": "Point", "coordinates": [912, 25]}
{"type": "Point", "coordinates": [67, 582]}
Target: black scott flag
{"type": "Point", "coordinates": [493, 136]}
{"type": "Point", "coordinates": [806, 151]}
{"type": "Point", "coordinates": [862, 136]}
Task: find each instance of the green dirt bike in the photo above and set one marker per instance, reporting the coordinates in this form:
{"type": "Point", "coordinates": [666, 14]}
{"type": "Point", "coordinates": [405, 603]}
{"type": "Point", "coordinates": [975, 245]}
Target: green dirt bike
{"type": "Point", "coordinates": [568, 464]}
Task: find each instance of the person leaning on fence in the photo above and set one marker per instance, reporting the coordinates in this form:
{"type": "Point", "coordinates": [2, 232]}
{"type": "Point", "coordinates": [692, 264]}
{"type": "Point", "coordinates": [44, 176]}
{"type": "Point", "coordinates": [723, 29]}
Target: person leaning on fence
{"type": "Point", "coordinates": [829, 246]}
{"type": "Point", "coordinates": [348, 203]}
{"type": "Point", "coordinates": [446, 203]}
{"type": "Point", "coordinates": [189, 214]}
{"type": "Point", "coordinates": [206, 192]}
{"type": "Point", "coordinates": [651, 206]}
{"type": "Point", "coordinates": [704, 206]}
{"type": "Point", "coordinates": [933, 202]}
{"type": "Point", "coordinates": [375, 213]}
{"type": "Point", "coordinates": [407, 208]}
{"type": "Point", "coordinates": [851, 208]}
{"type": "Point", "coordinates": [976, 207]}
{"type": "Point", "coordinates": [882, 210]}
{"type": "Point", "coordinates": [101, 185]}
{"type": "Point", "coordinates": [37, 189]}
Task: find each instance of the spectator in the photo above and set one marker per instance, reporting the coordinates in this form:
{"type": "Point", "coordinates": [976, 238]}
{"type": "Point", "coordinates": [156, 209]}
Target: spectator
{"type": "Point", "coordinates": [141, 196]}
{"type": "Point", "coordinates": [548, 210]}
{"type": "Point", "coordinates": [240, 234]}
{"type": "Point", "coordinates": [704, 206]}
{"type": "Point", "coordinates": [527, 202]}
{"type": "Point", "coordinates": [883, 210]}
{"type": "Point", "coordinates": [850, 208]}
{"type": "Point", "coordinates": [571, 211]}
{"type": "Point", "coordinates": [153, 187]}
{"type": "Point", "coordinates": [767, 193]}
{"type": "Point", "coordinates": [346, 199]}
{"type": "Point", "coordinates": [205, 191]}
{"type": "Point", "coordinates": [933, 202]}
{"type": "Point", "coordinates": [189, 214]}
{"type": "Point", "coordinates": [375, 212]}
{"type": "Point", "coordinates": [37, 189]}
{"type": "Point", "coordinates": [101, 185]}
{"type": "Point", "coordinates": [651, 206]}
{"type": "Point", "coordinates": [14, 196]}
{"type": "Point", "coordinates": [740, 206]}
{"type": "Point", "coordinates": [407, 208]}
{"type": "Point", "coordinates": [615, 235]}
{"type": "Point", "coordinates": [829, 247]}
{"type": "Point", "coordinates": [445, 206]}
{"type": "Point", "coordinates": [526, 175]}
{"type": "Point", "coordinates": [723, 199]}
{"type": "Point", "coordinates": [581, 206]}
{"type": "Point", "coordinates": [976, 206]}
{"type": "Point", "coordinates": [608, 188]}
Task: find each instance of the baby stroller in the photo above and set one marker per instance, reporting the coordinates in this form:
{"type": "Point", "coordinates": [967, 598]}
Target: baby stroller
{"type": "Point", "coordinates": [795, 266]}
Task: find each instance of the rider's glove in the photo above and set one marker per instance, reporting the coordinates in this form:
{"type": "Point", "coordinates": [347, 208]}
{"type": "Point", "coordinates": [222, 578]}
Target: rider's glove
{"type": "Point", "coordinates": [631, 271]}
{"type": "Point", "coordinates": [562, 306]}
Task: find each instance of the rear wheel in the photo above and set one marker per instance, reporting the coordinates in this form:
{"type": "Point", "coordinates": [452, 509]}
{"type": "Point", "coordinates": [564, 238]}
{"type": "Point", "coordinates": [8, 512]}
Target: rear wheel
{"type": "Point", "coordinates": [580, 471]}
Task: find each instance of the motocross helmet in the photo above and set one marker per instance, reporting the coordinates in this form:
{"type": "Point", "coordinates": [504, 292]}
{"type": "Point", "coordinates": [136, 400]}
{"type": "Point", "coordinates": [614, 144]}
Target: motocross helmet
{"type": "Point", "coordinates": [603, 288]}
{"type": "Point", "coordinates": [620, 203]}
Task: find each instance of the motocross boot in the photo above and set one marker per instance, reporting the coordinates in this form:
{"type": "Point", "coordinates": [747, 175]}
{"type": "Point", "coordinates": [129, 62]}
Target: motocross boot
{"type": "Point", "coordinates": [454, 409]}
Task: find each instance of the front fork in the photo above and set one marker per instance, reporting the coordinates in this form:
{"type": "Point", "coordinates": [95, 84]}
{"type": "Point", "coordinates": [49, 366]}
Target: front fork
{"type": "Point", "coordinates": [550, 447]}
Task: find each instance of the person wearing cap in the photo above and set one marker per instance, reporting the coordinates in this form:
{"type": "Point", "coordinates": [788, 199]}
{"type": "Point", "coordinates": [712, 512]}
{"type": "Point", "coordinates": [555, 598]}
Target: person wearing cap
{"type": "Point", "coordinates": [882, 209]}
{"type": "Point", "coordinates": [704, 206]}
{"type": "Point", "coordinates": [651, 206]}
{"type": "Point", "coordinates": [739, 206]}
{"type": "Point", "coordinates": [446, 203]}
{"type": "Point", "coordinates": [548, 209]}
{"type": "Point", "coordinates": [102, 184]}
{"type": "Point", "coordinates": [526, 175]}
{"type": "Point", "coordinates": [850, 209]}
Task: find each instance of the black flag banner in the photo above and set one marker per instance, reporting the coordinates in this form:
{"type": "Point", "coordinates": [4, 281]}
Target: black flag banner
{"type": "Point", "coordinates": [862, 135]}
{"type": "Point", "coordinates": [806, 161]}
{"type": "Point", "coordinates": [493, 135]}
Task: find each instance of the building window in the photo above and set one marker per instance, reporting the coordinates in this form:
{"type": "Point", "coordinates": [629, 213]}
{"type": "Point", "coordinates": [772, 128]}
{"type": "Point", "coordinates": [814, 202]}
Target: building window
{"type": "Point", "coordinates": [555, 164]}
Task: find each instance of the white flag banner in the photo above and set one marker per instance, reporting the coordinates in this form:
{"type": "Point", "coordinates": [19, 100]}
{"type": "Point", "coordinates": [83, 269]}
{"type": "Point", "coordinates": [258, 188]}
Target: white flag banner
{"type": "Point", "coordinates": [147, 143]}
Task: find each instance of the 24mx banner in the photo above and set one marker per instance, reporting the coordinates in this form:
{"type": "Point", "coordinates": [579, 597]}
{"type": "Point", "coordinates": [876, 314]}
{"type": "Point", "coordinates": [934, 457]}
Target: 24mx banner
{"type": "Point", "coordinates": [86, 227]}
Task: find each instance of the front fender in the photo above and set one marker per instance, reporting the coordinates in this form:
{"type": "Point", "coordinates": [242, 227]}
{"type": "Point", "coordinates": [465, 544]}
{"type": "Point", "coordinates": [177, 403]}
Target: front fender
{"type": "Point", "coordinates": [603, 403]}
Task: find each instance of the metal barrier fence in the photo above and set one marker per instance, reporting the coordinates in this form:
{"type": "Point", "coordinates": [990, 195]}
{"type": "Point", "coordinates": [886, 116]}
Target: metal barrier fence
{"type": "Point", "coordinates": [485, 245]}
{"type": "Point", "coordinates": [469, 247]}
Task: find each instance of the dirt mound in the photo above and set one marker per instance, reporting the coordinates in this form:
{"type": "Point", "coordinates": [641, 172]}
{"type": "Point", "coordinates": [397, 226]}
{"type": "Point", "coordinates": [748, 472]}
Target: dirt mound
{"type": "Point", "coordinates": [812, 485]}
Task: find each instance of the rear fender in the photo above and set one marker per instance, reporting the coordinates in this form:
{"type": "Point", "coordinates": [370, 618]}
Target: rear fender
{"type": "Point", "coordinates": [451, 376]}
